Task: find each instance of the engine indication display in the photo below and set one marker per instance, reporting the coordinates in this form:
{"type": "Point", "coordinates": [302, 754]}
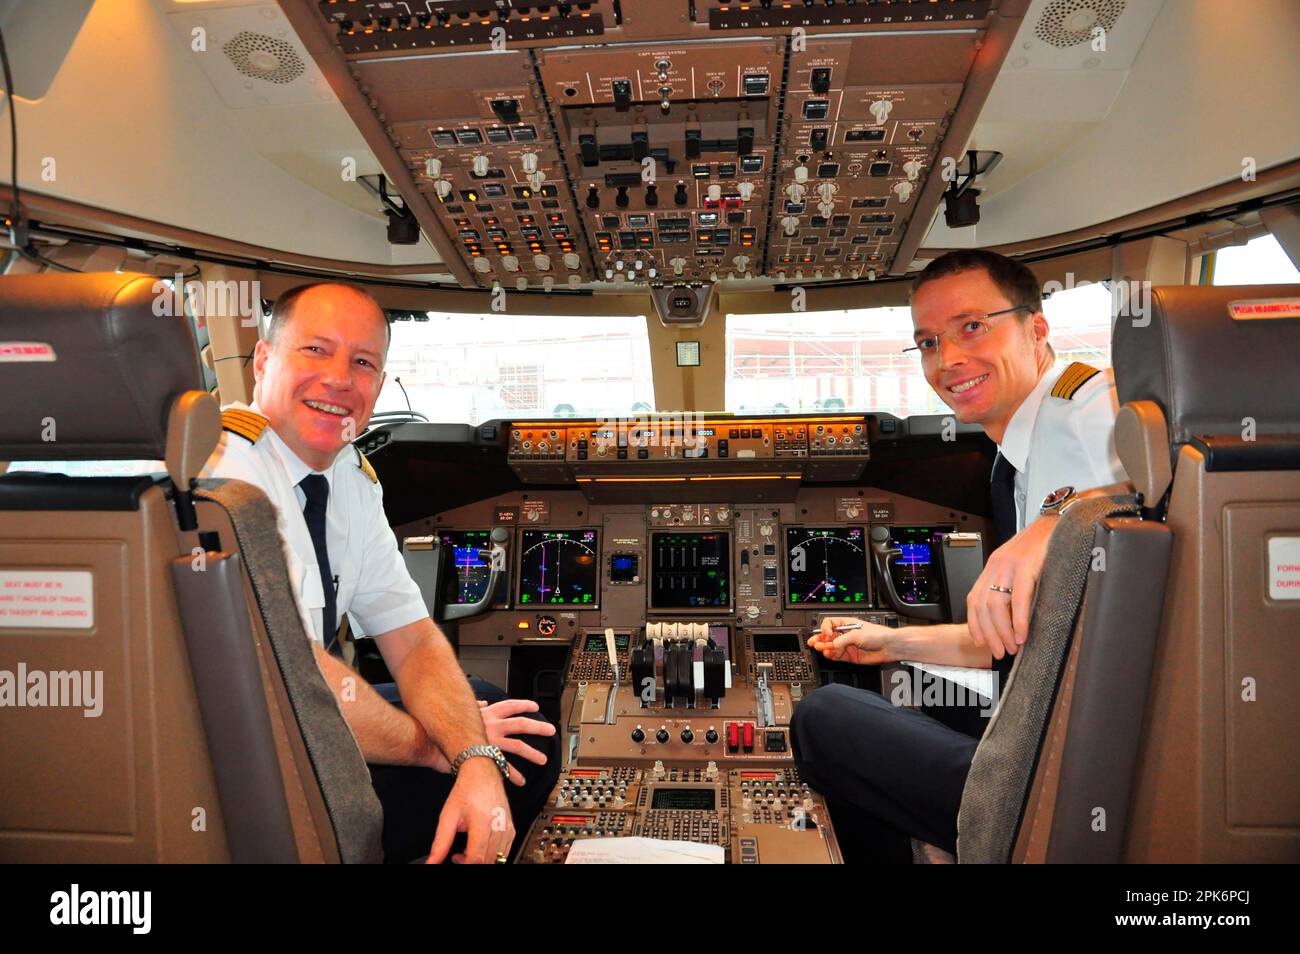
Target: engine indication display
{"type": "Point", "coordinates": [826, 565]}
{"type": "Point", "coordinates": [471, 579]}
{"type": "Point", "coordinates": [690, 570]}
{"type": "Point", "coordinates": [558, 568]}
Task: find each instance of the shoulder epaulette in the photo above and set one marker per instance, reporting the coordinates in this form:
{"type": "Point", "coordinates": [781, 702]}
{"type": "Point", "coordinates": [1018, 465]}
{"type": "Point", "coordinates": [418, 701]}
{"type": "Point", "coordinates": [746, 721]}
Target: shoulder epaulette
{"type": "Point", "coordinates": [365, 467]}
{"type": "Point", "coordinates": [247, 424]}
{"type": "Point", "coordinates": [1072, 378]}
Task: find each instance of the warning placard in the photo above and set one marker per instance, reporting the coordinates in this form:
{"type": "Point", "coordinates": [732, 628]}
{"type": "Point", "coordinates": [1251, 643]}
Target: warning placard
{"type": "Point", "coordinates": [1284, 568]}
{"type": "Point", "coordinates": [47, 599]}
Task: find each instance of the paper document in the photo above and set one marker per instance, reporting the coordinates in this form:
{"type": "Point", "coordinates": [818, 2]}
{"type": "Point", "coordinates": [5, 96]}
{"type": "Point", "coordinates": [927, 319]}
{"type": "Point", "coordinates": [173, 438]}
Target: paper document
{"type": "Point", "coordinates": [642, 851]}
{"type": "Point", "coordinates": [976, 680]}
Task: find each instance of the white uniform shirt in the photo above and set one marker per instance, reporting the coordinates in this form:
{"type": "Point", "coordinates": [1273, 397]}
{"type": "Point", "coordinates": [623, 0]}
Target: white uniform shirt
{"type": "Point", "coordinates": [374, 587]}
{"type": "Point", "coordinates": [1056, 442]}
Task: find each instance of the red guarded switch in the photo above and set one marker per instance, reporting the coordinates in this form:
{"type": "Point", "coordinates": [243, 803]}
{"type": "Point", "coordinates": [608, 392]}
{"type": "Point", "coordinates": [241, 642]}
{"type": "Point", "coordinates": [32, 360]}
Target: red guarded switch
{"type": "Point", "coordinates": [749, 737]}
{"type": "Point", "coordinates": [733, 736]}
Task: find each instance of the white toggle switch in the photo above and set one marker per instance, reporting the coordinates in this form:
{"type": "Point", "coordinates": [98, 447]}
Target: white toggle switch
{"type": "Point", "coordinates": [619, 265]}
{"type": "Point", "coordinates": [638, 264]}
{"type": "Point", "coordinates": [827, 191]}
{"type": "Point", "coordinates": [746, 189]}
{"type": "Point", "coordinates": [571, 260]}
{"type": "Point", "coordinates": [791, 224]}
{"type": "Point", "coordinates": [443, 188]}
{"type": "Point", "coordinates": [912, 168]}
{"type": "Point", "coordinates": [871, 274]}
{"type": "Point", "coordinates": [825, 209]}
{"type": "Point", "coordinates": [800, 173]}
{"type": "Point", "coordinates": [480, 165]}
{"type": "Point", "coordinates": [903, 190]}
{"type": "Point", "coordinates": [652, 272]}
{"type": "Point", "coordinates": [817, 273]}
{"type": "Point", "coordinates": [521, 283]}
{"type": "Point", "coordinates": [537, 180]}
{"type": "Point", "coordinates": [575, 281]}
{"type": "Point", "coordinates": [542, 263]}
{"type": "Point", "coordinates": [510, 263]}
{"type": "Point", "coordinates": [715, 193]}
{"type": "Point", "coordinates": [795, 191]}
{"type": "Point", "coordinates": [609, 274]}
{"type": "Point", "coordinates": [433, 167]}
{"type": "Point", "coordinates": [880, 110]}
{"type": "Point", "coordinates": [548, 283]}
{"type": "Point", "coordinates": [678, 265]}
{"type": "Point", "coordinates": [529, 162]}
{"type": "Point", "coordinates": [741, 262]}
{"type": "Point", "coordinates": [798, 275]}
{"type": "Point", "coordinates": [482, 265]}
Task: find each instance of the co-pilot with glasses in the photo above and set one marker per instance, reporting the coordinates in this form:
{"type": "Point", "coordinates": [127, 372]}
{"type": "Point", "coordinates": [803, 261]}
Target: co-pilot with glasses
{"type": "Point", "coordinates": [981, 339]}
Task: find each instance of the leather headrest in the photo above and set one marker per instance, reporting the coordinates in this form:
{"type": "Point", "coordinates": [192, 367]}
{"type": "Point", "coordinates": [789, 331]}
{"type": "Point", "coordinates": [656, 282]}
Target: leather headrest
{"type": "Point", "coordinates": [1208, 370]}
{"type": "Point", "coordinates": [88, 370]}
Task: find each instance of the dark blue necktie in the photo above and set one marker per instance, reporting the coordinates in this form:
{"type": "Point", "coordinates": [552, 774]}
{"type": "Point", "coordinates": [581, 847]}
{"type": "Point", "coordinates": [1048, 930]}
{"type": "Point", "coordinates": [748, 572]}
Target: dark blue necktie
{"type": "Point", "coordinates": [1003, 490]}
{"type": "Point", "coordinates": [317, 489]}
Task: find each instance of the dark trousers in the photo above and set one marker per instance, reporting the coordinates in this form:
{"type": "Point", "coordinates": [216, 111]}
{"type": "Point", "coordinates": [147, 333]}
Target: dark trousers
{"type": "Point", "coordinates": [887, 772]}
{"type": "Point", "coordinates": [413, 797]}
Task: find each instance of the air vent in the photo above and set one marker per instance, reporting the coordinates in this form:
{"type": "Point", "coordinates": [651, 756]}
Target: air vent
{"type": "Point", "coordinates": [263, 57]}
{"type": "Point", "coordinates": [1067, 23]}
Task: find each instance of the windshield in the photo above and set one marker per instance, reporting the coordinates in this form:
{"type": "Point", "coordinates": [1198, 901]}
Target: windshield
{"type": "Point", "coordinates": [469, 368]}
{"type": "Point", "coordinates": [853, 360]}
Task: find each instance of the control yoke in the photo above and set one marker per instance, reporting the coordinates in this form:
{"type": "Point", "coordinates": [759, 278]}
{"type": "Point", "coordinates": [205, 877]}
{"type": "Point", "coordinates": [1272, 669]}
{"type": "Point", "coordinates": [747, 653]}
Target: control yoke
{"type": "Point", "coordinates": [496, 561]}
{"type": "Point", "coordinates": [884, 554]}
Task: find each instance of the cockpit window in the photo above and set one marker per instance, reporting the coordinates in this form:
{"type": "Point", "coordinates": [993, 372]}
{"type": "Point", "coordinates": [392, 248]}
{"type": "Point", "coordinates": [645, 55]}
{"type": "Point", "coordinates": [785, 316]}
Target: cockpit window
{"type": "Point", "coordinates": [804, 362]}
{"type": "Point", "coordinates": [1261, 261]}
{"type": "Point", "coordinates": [467, 368]}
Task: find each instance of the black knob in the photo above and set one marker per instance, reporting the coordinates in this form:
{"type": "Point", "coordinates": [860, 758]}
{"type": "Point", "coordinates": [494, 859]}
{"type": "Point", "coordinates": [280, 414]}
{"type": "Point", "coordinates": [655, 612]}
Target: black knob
{"type": "Point", "coordinates": [651, 195]}
{"type": "Point", "coordinates": [638, 736]}
{"type": "Point", "coordinates": [688, 736]}
{"type": "Point", "coordinates": [711, 736]}
{"type": "Point", "coordinates": [680, 196]}
{"type": "Point", "coordinates": [620, 200]}
{"type": "Point", "coordinates": [593, 198]}
{"type": "Point", "coordinates": [662, 737]}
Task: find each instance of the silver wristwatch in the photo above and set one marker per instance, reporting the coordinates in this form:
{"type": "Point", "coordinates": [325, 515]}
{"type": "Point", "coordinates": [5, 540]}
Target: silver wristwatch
{"type": "Point", "coordinates": [1057, 501]}
{"type": "Point", "coordinates": [484, 751]}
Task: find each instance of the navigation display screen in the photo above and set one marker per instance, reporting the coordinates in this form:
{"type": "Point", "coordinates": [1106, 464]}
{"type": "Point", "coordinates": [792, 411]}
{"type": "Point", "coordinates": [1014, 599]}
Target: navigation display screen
{"type": "Point", "coordinates": [558, 567]}
{"type": "Point", "coordinates": [690, 570]}
{"type": "Point", "coordinates": [471, 577]}
{"type": "Point", "coordinates": [826, 565]}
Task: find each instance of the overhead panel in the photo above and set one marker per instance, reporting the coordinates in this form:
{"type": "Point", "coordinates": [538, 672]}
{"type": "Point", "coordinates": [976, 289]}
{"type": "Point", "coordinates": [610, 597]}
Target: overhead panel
{"type": "Point", "coordinates": [572, 144]}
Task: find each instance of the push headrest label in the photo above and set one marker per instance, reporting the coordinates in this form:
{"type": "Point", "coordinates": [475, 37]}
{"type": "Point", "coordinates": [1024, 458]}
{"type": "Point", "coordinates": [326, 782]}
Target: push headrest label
{"type": "Point", "coordinates": [1264, 309]}
{"type": "Point", "coordinates": [12, 351]}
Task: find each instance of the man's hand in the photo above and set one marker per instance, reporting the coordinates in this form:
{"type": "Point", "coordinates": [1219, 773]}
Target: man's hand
{"type": "Point", "coordinates": [867, 646]}
{"type": "Point", "coordinates": [477, 806]}
{"type": "Point", "coordinates": [502, 722]}
{"type": "Point", "coordinates": [1001, 620]}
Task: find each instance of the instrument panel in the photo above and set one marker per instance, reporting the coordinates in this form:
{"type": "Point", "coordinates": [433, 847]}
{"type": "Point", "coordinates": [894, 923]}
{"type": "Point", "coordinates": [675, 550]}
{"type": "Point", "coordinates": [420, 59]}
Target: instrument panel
{"type": "Point", "coordinates": [679, 586]}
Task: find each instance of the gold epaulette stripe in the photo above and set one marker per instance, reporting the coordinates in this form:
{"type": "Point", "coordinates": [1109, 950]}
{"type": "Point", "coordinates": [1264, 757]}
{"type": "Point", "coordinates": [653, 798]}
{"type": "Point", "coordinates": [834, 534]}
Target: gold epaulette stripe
{"type": "Point", "coordinates": [1074, 377]}
{"type": "Point", "coordinates": [247, 424]}
{"type": "Point", "coordinates": [366, 468]}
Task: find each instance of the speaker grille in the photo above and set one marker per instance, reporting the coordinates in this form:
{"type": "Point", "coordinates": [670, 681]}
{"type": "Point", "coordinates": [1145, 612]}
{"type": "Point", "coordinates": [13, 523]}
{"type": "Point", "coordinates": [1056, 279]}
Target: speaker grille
{"type": "Point", "coordinates": [263, 57]}
{"type": "Point", "coordinates": [1069, 22]}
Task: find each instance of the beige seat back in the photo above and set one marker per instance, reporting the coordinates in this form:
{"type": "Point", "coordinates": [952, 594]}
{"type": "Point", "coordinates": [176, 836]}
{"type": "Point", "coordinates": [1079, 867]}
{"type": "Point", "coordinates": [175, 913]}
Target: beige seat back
{"type": "Point", "coordinates": [1219, 776]}
{"type": "Point", "coordinates": [129, 744]}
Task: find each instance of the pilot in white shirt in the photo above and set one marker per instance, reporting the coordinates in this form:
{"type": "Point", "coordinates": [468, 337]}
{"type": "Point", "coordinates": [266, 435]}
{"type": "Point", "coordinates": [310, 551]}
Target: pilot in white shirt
{"type": "Point", "coordinates": [1063, 434]}
{"type": "Point", "coordinates": [373, 585]}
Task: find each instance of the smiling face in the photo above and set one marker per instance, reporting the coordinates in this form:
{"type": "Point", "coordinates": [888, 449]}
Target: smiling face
{"type": "Point", "coordinates": [317, 383]}
{"type": "Point", "coordinates": [986, 379]}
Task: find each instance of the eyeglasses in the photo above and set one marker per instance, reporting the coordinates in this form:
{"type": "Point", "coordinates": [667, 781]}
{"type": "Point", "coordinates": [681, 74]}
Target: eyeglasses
{"type": "Point", "coordinates": [971, 329]}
